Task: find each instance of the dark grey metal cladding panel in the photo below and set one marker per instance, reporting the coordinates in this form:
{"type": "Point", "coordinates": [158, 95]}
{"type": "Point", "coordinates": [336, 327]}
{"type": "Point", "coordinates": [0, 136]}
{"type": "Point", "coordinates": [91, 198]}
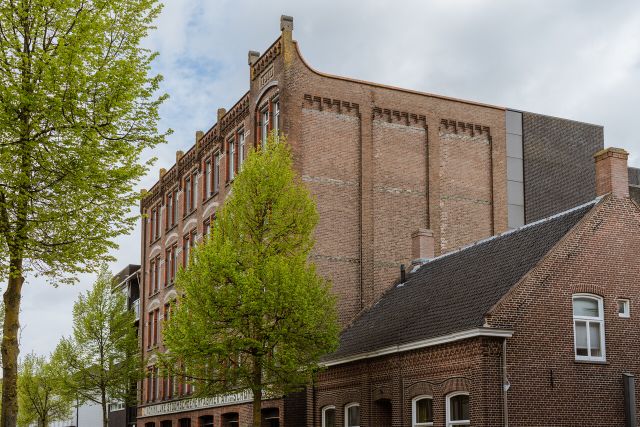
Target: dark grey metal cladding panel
{"type": "Point", "coordinates": [559, 171]}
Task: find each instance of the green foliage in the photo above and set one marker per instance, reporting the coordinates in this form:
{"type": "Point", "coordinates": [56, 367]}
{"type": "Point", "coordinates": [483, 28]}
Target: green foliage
{"type": "Point", "coordinates": [41, 392]}
{"type": "Point", "coordinates": [102, 357]}
{"type": "Point", "coordinates": [254, 314]}
{"type": "Point", "coordinates": [77, 107]}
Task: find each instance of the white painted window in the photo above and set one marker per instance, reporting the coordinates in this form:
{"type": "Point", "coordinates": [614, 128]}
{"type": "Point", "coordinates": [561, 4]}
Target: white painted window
{"type": "Point", "coordinates": [241, 149]}
{"type": "Point", "coordinates": [588, 327]}
{"type": "Point", "coordinates": [276, 117]}
{"type": "Point", "coordinates": [352, 415]}
{"type": "Point", "coordinates": [422, 411]}
{"type": "Point", "coordinates": [231, 154]}
{"type": "Point", "coordinates": [216, 172]}
{"type": "Point", "coordinates": [207, 178]}
{"type": "Point", "coordinates": [458, 413]}
{"type": "Point", "coordinates": [624, 308]}
{"type": "Point", "coordinates": [329, 416]}
{"type": "Point", "coordinates": [264, 133]}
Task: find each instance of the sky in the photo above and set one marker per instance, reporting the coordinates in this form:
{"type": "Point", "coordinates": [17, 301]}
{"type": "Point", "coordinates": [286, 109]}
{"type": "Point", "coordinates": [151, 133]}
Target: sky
{"type": "Point", "coordinates": [577, 59]}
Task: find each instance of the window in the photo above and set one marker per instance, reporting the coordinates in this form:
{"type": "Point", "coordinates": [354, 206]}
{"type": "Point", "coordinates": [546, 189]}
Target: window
{"type": "Point", "coordinates": [230, 419]}
{"type": "Point", "coordinates": [168, 221]}
{"type": "Point", "coordinates": [171, 265]}
{"type": "Point", "coordinates": [189, 241]}
{"type": "Point", "coordinates": [150, 329]}
{"type": "Point", "coordinates": [184, 422]}
{"type": "Point", "coordinates": [231, 153]}
{"type": "Point", "coordinates": [205, 421]}
{"type": "Point", "coordinates": [458, 410]}
{"type": "Point", "coordinates": [588, 327]}
{"type": "Point", "coordinates": [623, 308]}
{"type": "Point", "coordinates": [174, 214]}
{"type": "Point", "coordinates": [329, 416]}
{"type": "Point", "coordinates": [264, 127]}
{"type": "Point", "coordinates": [206, 228]}
{"type": "Point", "coordinates": [152, 277]}
{"type": "Point", "coordinates": [156, 384]}
{"type": "Point", "coordinates": [208, 179]}
{"type": "Point", "coordinates": [154, 223]}
{"type": "Point", "coordinates": [241, 149]}
{"type": "Point", "coordinates": [216, 172]}
{"type": "Point", "coordinates": [352, 415]}
{"type": "Point", "coordinates": [422, 410]}
{"type": "Point", "coordinates": [166, 423]}
{"type": "Point", "coordinates": [156, 319]}
{"type": "Point", "coordinates": [187, 195]}
{"type": "Point", "coordinates": [276, 117]}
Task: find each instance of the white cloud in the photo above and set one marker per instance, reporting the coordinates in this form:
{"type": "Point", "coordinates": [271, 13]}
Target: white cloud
{"type": "Point", "coordinates": [576, 59]}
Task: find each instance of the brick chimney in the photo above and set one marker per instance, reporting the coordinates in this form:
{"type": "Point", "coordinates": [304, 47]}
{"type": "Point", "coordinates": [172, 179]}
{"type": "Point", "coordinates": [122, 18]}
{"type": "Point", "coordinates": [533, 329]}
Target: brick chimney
{"type": "Point", "coordinates": [612, 174]}
{"type": "Point", "coordinates": [422, 246]}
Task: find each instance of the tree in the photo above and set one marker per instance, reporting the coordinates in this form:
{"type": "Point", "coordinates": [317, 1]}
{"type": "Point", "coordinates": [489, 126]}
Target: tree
{"type": "Point", "coordinates": [77, 107]}
{"type": "Point", "coordinates": [102, 357]}
{"type": "Point", "coordinates": [253, 313]}
{"type": "Point", "coordinates": [40, 392]}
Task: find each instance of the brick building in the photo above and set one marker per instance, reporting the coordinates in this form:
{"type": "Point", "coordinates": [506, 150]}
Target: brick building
{"type": "Point", "coordinates": [534, 327]}
{"type": "Point", "coordinates": [382, 162]}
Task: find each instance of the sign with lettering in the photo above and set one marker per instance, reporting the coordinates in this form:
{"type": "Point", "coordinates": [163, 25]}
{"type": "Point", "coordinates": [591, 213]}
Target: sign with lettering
{"type": "Point", "coordinates": [197, 403]}
{"type": "Point", "coordinates": [266, 76]}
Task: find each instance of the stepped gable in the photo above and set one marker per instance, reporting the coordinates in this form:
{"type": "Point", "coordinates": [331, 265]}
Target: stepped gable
{"type": "Point", "coordinates": [452, 293]}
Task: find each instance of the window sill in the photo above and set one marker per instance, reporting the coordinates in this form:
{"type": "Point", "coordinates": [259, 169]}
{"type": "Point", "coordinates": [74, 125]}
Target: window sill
{"type": "Point", "coordinates": [154, 241]}
{"type": "Point", "coordinates": [189, 214]}
{"type": "Point", "coordinates": [208, 199]}
{"type": "Point", "coordinates": [171, 228]}
{"type": "Point", "coordinates": [155, 294]}
{"type": "Point", "coordinates": [591, 362]}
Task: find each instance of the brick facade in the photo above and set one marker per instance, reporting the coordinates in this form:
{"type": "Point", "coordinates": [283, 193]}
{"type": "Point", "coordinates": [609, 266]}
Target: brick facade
{"type": "Point", "coordinates": [548, 386]}
{"type": "Point", "coordinates": [382, 163]}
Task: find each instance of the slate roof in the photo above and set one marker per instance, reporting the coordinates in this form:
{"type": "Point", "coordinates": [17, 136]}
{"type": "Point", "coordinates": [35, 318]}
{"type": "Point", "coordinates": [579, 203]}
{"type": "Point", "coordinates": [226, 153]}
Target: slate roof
{"type": "Point", "coordinates": [453, 292]}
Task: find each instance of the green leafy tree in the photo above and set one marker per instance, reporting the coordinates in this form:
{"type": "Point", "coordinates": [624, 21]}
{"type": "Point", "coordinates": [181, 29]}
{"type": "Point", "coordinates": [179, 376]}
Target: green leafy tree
{"type": "Point", "coordinates": [253, 313]}
{"type": "Point", "coordinates": [102, 357]}
{"type": "Point", "coordinates": [77, 107]}
{"type": "Point", "coordinates": [41, 392]}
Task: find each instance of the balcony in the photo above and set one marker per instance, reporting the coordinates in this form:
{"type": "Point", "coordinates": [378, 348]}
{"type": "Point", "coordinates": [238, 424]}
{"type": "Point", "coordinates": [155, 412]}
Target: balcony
{"type": "Point", "coordinates": [135, 306]}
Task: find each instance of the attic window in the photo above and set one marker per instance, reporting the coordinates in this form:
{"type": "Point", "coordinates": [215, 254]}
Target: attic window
{"type": "Point", "coordinates": [623, 308]}
{"type": "Point", "coordinates": [588, 327]}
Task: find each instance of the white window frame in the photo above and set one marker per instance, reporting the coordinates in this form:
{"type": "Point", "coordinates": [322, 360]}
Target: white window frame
{"type": "Point", "coordinates": [627, 307]}
{"type": "Point", "coordinates": [589, 320]}
{"type": "Point", "coordinates": [241, 149]}
{"type": "Point", "coordinates": [324, 412]}
{"type": "Point", "coordinates": [451, 422]}
{"type": "Point", "coordinates": [207, 178]}
{"type": "Point", "coordinates": [216, 172]}
{"type": "Point", "coordinates": [346, 413]}
{"type": "Point", "coordinates": [264, 128]}
{"type": "Point", "coordinates": [232, 152]}
{"type": "Point", "coordinates": [276, 117]}
{"type": "Point", "coordinates": [414, 410]}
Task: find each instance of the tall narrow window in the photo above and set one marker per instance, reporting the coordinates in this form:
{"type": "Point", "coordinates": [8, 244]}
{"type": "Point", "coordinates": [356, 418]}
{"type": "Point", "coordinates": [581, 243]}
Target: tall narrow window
{"type": "Point", "coordinates": [352, 415]}
{"type": "Point", "coordinates": [264, 127]}
{"type": "Point", "coordinates": [329, 416]}
{"type": "Point", "coordinates": [152, 277]}
{"type": "Point", "coordinates": [588, 327]}
{"type": "Point", "coordinates": [150, 330]}
{"type": "Point", "coordinates": [156, 316]}
{"type": "Point", "coordinates": [241, 149]}
{"type": "Point", "coordinates": [169, 213]}
{"type": "Point", "coordinates": [216, 172]}
{"type": "Point", "coordinates": [231, 154]}
{"type": "Point", "coordinates": [187, 196]}
{"type": "Point", "coordinates": [174, 262]}
{"type": "Point", "coordinates": [207, 179]}
{"type": "Point", "coordinates": [422, 409]}
{"type": "Point", "coordinates": [276, 117]}
{"type": "Point", "coordinates": [156, 384]}
{"type": "Point", "coordinates": [152, 225]}
{"type": "Point", "coordinates": [206, 227]}
{"type": "Point", "coordinates": [458, 413]}
{"type": "Point", "coordinates": [157, 230]}
{"type": "Point", "coordinates": [174, 215]}
{"type": "Point", "coordinates": [186, 246]}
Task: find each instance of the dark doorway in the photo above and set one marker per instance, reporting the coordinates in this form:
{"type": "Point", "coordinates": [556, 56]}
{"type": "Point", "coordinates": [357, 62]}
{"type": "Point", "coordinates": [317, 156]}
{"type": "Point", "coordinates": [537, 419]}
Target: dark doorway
{"type": "Point", "coordinates": [382, 413]}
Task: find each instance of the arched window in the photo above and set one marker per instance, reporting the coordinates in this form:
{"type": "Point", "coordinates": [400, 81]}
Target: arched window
{"type": "Point", "coordinates": [422, 411]}
{"type": "Point", "coordinates": [329, 416]}
{"type": "Point", "coordinates": [458, 413]}
{"type": "Point", "coordinates": [352, 415]}
{"type": "Point", "coordinates": [588, 327]}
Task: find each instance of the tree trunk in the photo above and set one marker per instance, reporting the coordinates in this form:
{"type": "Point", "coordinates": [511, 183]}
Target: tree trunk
{"type": "Point", "coordinates": [257, 407]}
{"type": "Point", "coordinates": [105, 415]}
{"type": "Point", "coordinates": [10, 349]}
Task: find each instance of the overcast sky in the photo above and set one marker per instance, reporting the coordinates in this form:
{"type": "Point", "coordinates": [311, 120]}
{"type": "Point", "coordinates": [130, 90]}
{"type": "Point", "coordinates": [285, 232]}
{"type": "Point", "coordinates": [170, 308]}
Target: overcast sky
{"type": "Point", "coordinates": [576, 59]}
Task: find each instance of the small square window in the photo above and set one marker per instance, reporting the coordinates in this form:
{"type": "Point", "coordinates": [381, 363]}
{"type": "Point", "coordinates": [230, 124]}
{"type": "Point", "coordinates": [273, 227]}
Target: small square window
{"type": "Point", "coordinates": [623, 308]}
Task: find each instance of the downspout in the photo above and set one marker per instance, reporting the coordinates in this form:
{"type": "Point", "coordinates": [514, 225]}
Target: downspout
{"type": "Point", "coordinates": [505, 385]}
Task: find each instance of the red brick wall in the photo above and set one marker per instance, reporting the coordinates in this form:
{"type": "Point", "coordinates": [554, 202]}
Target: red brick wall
{"type": "Point", "coordinates": [549, 387]}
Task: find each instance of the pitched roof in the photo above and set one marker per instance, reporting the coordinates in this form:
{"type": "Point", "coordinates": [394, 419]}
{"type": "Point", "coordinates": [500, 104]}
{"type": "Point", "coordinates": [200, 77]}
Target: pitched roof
{"type": "Point", "coordinates": [453, 292]}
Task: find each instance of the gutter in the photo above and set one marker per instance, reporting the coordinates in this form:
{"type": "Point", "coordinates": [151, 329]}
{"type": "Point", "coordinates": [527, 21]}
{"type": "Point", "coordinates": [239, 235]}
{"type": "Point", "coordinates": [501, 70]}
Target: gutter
{"type": "Point", "coordinates": [415, 345]}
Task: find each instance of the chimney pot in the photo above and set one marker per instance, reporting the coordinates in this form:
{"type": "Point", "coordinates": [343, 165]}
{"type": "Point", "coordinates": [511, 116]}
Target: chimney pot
{"type": "Point", "coordinates": [612, 174]}
{"type": "Point", "coordinates": [253, 56]}
{"type": "Point", "coordinates": [286, 23]}
{"type": "Point", "coordinates": [422, 246]}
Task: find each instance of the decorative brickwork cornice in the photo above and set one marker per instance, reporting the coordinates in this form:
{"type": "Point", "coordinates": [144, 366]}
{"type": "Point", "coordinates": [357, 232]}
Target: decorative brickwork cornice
{"type": "Point", "coordinates": [399, 117]}
{"type": "Point", "coordinates": [236, 115]}
{"type": "Point", "coordinates": [454, 126]}
{"type": "Point", "coordinates": [335, 105]}
{"type": "Point", "coordinates": [267, 58]}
